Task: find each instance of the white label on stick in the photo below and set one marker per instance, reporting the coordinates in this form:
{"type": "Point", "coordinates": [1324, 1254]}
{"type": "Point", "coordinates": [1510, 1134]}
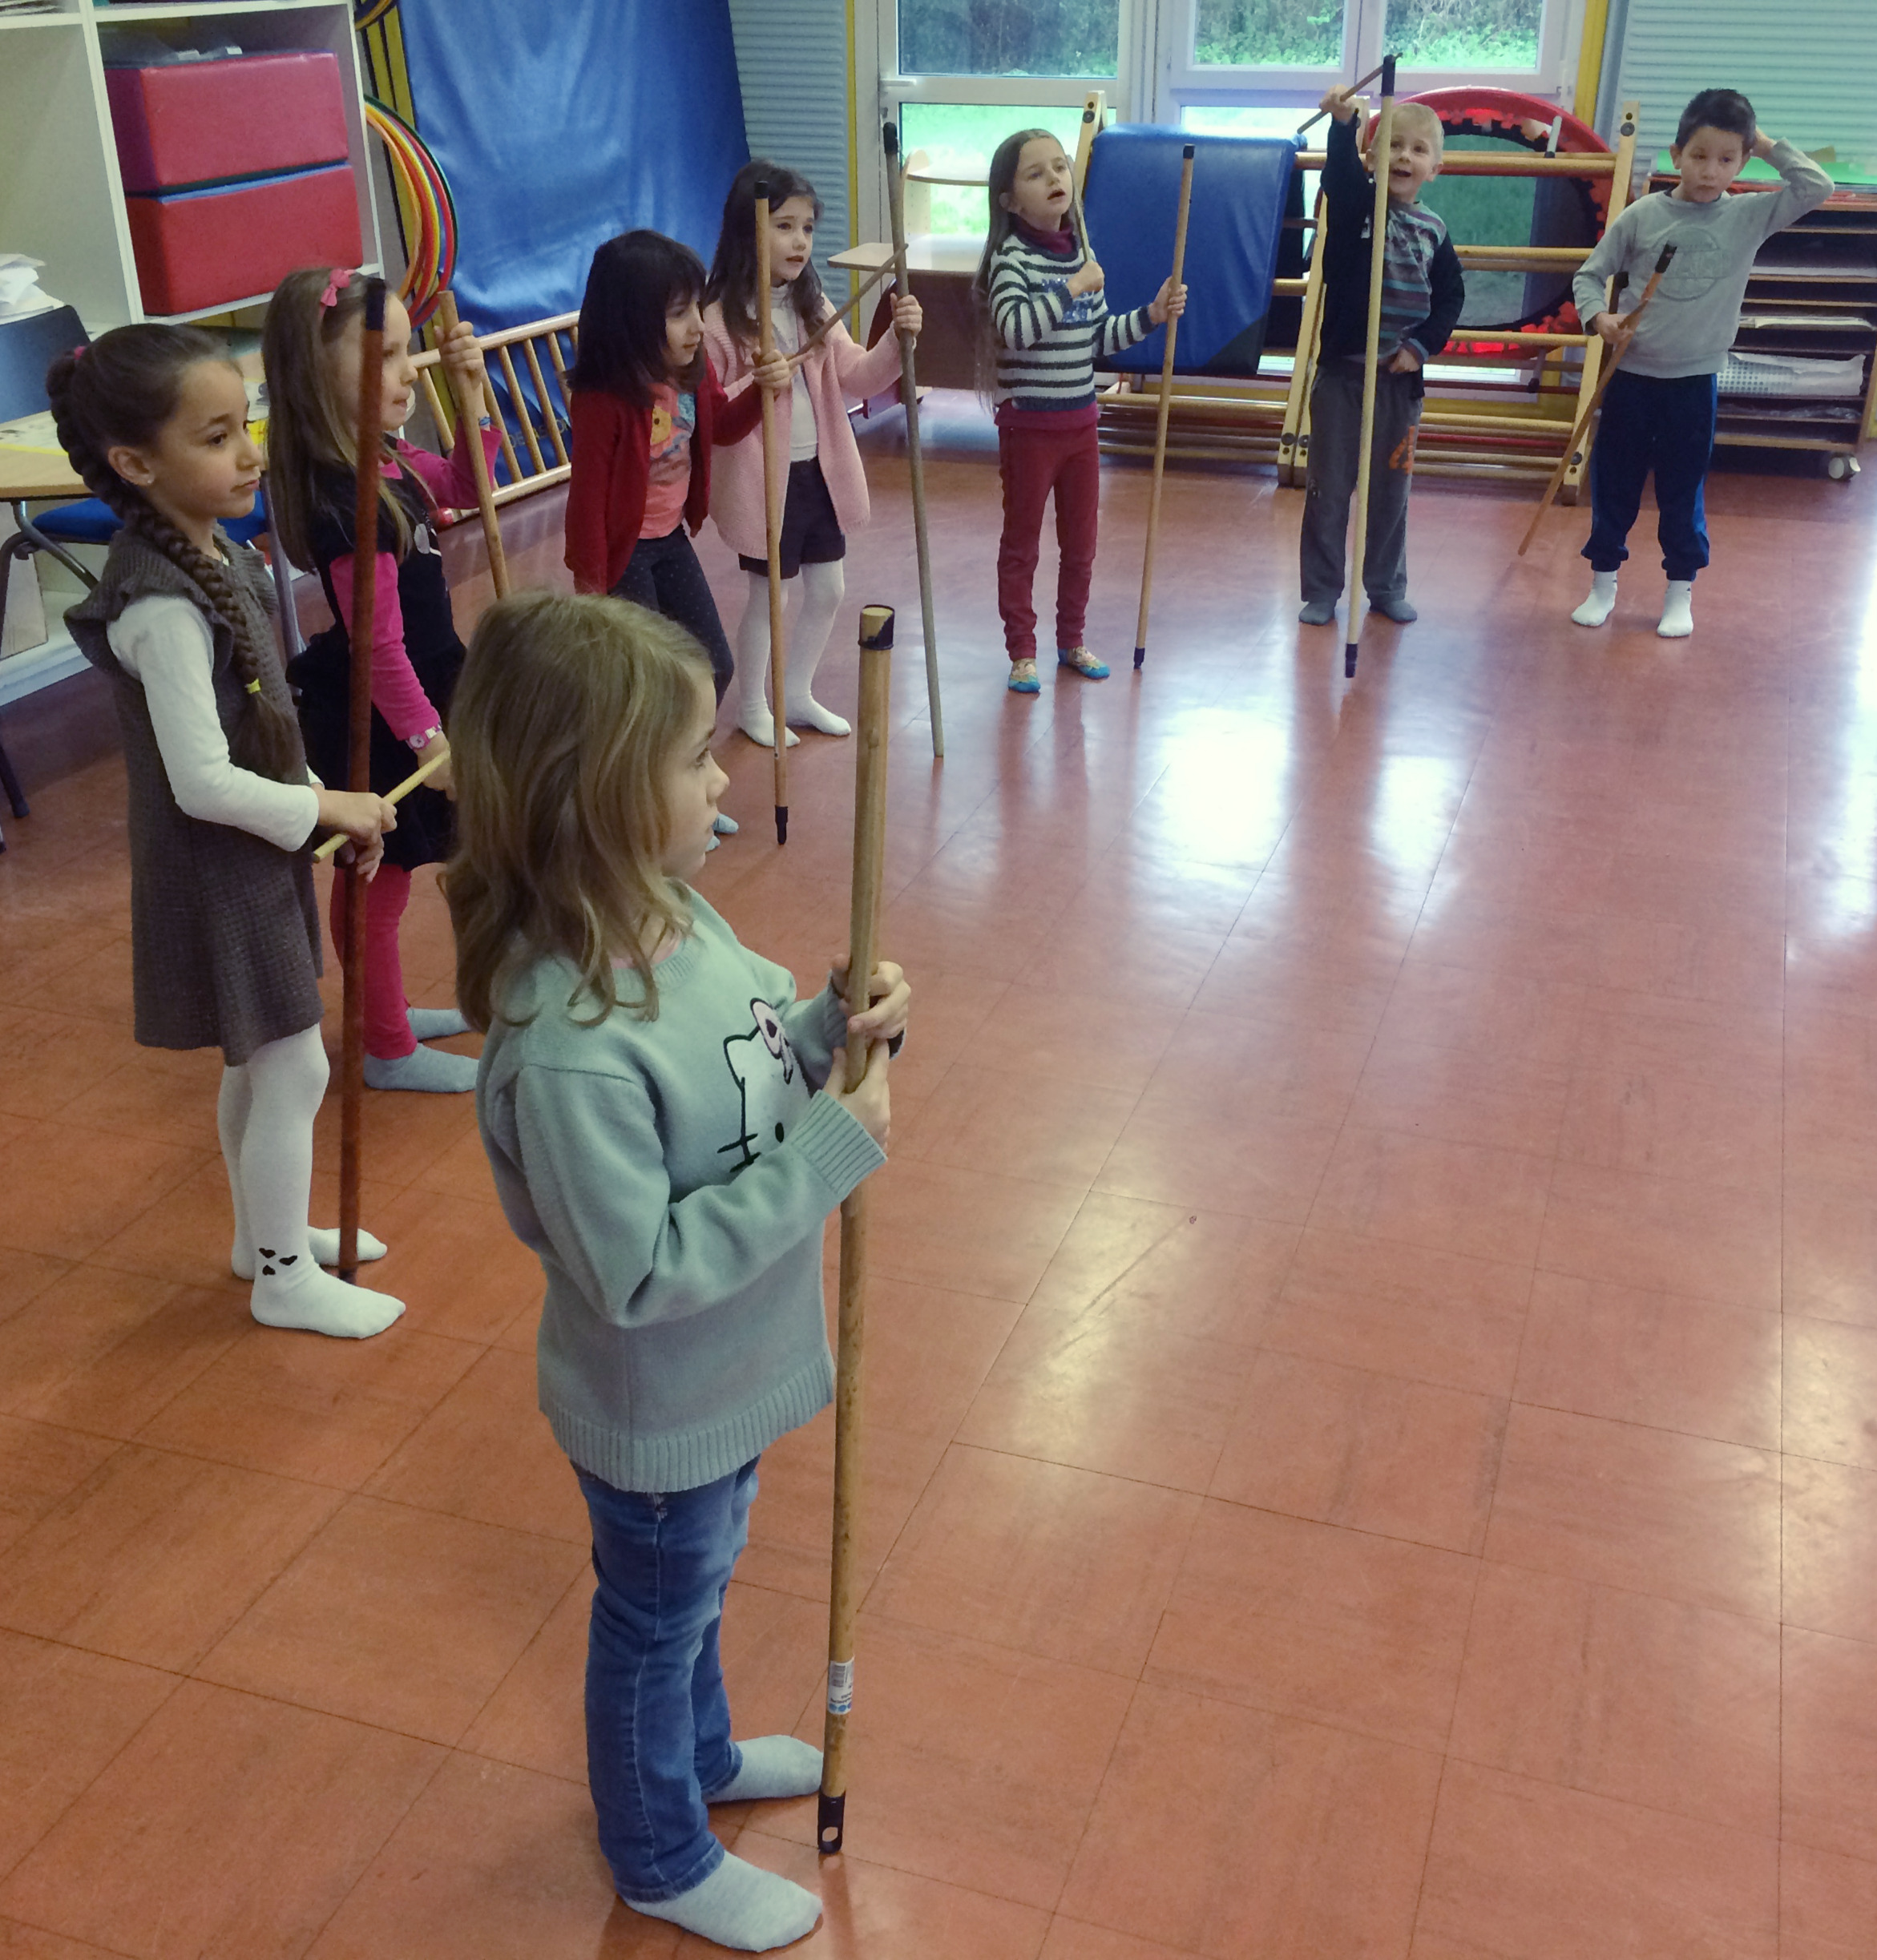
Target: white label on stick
{"type": "Point", "coordinates": [839, 1687]}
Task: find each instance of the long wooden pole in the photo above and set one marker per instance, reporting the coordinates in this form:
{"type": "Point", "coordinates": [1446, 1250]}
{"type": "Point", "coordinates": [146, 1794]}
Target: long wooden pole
{"type": "Point", "coordinates": [369, 479]}
{"type": "Point", "coordinates": [915, 461]}
{"type": "Point", "coordinates": [1578, 433]}
{"type": "Point", "coordinates": [869, 836]}
{"type": "Point", "coordinates": [1378, 161]}
{"type": "Point", "coordinates": [840, 312]}
{"type": "Point", "coordinates": [1166, 403]}
{"type": "Point", "coordinates": [1310, 123]}
{"type": "Point", "coordinates": [772, 505]}
{"type": "Point", "coordinates": [468, 430]}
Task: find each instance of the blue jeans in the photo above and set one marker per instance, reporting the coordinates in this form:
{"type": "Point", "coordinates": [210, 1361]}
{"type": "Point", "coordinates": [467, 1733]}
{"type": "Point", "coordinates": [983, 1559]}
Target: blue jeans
{"type": "Point", "coordinates": [1663, 425]}
{"type": "Point", "coordinates": [658, 1721]}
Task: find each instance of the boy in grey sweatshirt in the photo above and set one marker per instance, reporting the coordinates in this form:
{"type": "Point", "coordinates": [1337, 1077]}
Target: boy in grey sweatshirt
{"type": "Point", "coordinates": [1658, 412]}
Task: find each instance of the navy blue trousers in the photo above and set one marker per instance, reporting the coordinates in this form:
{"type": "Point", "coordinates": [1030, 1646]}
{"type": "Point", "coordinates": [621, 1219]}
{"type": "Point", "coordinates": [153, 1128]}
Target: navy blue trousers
{"type": "Point", "coordinates": [1667, 426]}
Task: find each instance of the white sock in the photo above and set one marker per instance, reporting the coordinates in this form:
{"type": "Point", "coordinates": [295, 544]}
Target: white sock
{"type": "Point", "coordinates": [267, 1118]}
{"type": "Point", "coordinates": [436, 1023]}
{"type": "Point", "coordinates": [323, 1243]}
{"type": "Point", "coordinates": [823, 587]}
{"type": "Point", "coordinates": [754, 715]}
{"type": "Point", "coordinates": [740, 1905]}
{"type": "Point", "coordinates": [437, 1071]}
{"type": "Point", "coordinates": [318, 1303]}
{"type": "Point", "coordinates": [772, 1766]}
{"type": "Point", "coordinates": [1601, 602]}
{"type": "Point", "coordinates": [1677, 610]}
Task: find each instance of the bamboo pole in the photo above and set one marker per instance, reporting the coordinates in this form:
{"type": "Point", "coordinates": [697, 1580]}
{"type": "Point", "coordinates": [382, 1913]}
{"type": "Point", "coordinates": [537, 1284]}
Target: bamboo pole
{"type": "Point", "coordinates": [1582, 428]}
{"type": "Point", "coordinates": [772, 504]}
{"type": "Point", "coordinates": [1166, 405]}
{"type": "Point", "coordinates": [417, 777]}
{"type": "Point", "coordinates": [840, 312]}
{"type": "Point", "coordinates": [908, 389]}
{"type": "Point", "coordinates": [368, 480]}
{"type": "Point", "coordinates": [870, 830]}
{"type": "Point", "coordinates": [1379, 160]}
{"type": "Point", "coordinates": [446, 318]}
{"type": "Point", "coordinates": [1310, 123]}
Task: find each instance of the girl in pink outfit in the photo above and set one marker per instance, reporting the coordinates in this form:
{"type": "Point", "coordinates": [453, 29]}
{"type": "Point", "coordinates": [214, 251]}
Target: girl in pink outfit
{"type": "Point", "coordinates": [311, 345]}
{"type": "Point", "coordinates": [827, 494]}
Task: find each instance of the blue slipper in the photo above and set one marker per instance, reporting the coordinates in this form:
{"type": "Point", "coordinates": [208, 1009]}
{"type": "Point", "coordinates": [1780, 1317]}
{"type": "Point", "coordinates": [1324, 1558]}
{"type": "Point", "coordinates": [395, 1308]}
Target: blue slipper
{"type": "Point", "coordinates": [1023, 678]}
{"type": "Point", "coordinates": [1082, 661]}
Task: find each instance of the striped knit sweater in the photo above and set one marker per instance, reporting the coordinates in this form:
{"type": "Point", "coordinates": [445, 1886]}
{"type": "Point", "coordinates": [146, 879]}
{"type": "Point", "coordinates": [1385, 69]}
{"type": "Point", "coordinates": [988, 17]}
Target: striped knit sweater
{"type": "Point", "coordinates": [1047, 343]}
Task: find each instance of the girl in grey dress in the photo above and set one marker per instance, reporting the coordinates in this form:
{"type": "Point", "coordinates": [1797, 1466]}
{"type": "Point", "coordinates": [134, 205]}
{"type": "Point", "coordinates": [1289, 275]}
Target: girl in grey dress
{"type": "Point", "coordinates": [225, 935]}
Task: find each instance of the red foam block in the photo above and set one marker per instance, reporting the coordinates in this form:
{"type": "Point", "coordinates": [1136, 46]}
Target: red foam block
{"type": "Point", "coordinates": [203, 121]}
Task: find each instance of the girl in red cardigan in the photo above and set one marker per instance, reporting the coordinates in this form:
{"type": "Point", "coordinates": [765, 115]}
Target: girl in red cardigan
{"type": "Point", "coordinates": [647, 407]}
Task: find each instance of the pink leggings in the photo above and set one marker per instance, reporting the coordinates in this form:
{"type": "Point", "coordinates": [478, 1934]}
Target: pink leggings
{"type": "Point", "coordinates": [387, 1030]}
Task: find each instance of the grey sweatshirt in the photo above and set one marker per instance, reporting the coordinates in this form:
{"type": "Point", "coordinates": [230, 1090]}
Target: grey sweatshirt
{"type": "Point", "coordinates": [1696, 312]}
{"type": "Point", "coordinates": [672, 1176]}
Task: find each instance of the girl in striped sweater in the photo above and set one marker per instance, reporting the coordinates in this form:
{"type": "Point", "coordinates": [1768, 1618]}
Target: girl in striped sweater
{"type": "Point", "coordinates": [1040, 292]}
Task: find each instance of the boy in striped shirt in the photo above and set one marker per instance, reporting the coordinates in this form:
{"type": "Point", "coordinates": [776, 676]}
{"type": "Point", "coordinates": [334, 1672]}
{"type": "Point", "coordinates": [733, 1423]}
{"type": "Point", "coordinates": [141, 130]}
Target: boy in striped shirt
{"type": "Point", "coordinates": [1422, 291]}
{"type": "Point", "coordinates": [1041, 297]}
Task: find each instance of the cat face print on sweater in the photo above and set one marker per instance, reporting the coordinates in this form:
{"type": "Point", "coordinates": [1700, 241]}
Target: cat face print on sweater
{"type": "Point", "coordinates": [773, 1092]}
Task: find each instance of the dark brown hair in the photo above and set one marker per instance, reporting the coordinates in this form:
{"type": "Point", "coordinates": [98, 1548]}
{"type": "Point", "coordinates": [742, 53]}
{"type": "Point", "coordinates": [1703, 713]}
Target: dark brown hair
{"type": "Point", "coordinates": [121, 389]}
{"type": "Point", "coordinates": [733, 271]}
{"type": "Point", "coordinates": [568, 709]}
{"type": "Point", "coordinates": [636, 281]}
{"type": "Point", "coordinates": [312, 434]}
{"type": "Point", "coordinates": [1724, 109]}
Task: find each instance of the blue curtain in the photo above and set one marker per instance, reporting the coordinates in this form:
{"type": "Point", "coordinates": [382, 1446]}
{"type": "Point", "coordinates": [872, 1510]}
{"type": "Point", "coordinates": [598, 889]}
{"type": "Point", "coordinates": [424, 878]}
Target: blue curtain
{"type": "Point", "coordinates": [560, 122]}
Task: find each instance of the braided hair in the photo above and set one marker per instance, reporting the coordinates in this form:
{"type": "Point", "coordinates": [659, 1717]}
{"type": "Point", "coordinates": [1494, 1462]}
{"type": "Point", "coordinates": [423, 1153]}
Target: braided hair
{"type": "Point", "coordinates": [122, 388]}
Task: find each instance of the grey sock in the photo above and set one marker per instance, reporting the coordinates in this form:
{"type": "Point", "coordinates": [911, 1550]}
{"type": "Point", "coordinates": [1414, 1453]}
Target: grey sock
{"type": "Point", "coordinates": [434, 1071]}
{"type": "Point", "coordinates": [435, 1023]}
{"type": "Point", "coordinates": [1318, 612]}
{"type": "Point", "coordinates": [1398, 609]}
{"type": "Point", "coordinates": [772, 1766]}
{"type": "Point", "coordinates": [740, 1905]}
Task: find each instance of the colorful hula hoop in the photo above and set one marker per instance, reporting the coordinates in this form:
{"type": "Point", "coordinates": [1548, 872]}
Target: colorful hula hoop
{"type": "Point", "coordinates": [423, 195]}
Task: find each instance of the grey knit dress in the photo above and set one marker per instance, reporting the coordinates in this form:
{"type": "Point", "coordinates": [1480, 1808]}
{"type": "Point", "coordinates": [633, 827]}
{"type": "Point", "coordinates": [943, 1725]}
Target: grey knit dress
{"type": "Point", "coordinates": [225, 930]}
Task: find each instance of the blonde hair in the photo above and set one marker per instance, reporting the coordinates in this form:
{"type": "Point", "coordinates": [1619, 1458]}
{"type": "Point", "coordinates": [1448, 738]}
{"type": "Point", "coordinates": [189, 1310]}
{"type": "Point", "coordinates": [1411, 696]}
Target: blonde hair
{"type": "Point", "coordinates": [1418, 117]}
{"type": "Point", "coordinates": [311, 433]}
{"type": "Point", "coordinates": [568, 710]}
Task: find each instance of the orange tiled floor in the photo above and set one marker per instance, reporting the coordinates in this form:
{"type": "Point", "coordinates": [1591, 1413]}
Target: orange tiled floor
{"type": "Point", "coordinates": [1372, 1446]}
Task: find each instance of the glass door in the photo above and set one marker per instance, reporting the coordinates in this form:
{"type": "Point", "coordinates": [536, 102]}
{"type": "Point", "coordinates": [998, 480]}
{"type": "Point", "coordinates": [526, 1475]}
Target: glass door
{"type": "Point", "coordinates": [959, 77]}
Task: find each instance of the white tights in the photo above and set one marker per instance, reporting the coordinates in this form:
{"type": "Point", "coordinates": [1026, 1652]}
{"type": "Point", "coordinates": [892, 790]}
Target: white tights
{"type": "Point", "coordinates": [823, 587]}
{"type": "Point", "coordinates": [265, 1115]}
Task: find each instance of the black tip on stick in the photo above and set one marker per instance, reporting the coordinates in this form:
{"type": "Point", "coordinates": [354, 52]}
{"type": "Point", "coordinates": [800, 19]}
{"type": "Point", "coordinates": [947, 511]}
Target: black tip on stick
{"type": "Point", "coordinates": [830, 1823]}
{"type": "Point", "coordinates": [1388, 74]}
{"type": "Point", "coordinates": [890, 140]}
{"type": "Point", "coordinates": [1349, 654]}
{"type": "Point", "coordinates": [759, 190]}
{"type": "Point", "coordinates": [781, 823]}
{"type": "Point", "coordinates": [374, 306]}
{"type": "Point", "coordinates": [1187, 153]}
{"type": "Point", "coordinates": [1140, 659]}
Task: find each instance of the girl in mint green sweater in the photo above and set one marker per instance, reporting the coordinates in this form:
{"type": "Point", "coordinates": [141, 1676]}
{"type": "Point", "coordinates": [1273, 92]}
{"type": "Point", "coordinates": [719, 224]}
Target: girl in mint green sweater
{"type": "Point", "coordinates": [667, 1135]}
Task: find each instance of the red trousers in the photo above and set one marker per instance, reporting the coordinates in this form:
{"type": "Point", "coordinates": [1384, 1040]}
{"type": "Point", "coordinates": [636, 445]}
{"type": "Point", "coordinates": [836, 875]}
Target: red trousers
{"type": "Point", "coordinates": [1032, 463]}
{"type": "Point", "coordinates": [387, 1029]}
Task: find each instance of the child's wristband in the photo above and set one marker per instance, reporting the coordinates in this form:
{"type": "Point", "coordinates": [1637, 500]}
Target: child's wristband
{"type": "Point", "coordinates": [421, 742]}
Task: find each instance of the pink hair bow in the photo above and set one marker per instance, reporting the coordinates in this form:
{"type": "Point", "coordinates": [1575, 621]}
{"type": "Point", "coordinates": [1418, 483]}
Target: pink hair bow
{"type": "Point", "coordinates": [340, 279]}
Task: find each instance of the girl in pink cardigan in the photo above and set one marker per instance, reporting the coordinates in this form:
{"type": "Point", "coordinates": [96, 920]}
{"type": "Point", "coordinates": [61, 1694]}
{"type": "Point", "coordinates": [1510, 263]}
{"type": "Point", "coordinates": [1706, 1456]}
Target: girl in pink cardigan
{"type": "Point", "coordinates": [827, 495]}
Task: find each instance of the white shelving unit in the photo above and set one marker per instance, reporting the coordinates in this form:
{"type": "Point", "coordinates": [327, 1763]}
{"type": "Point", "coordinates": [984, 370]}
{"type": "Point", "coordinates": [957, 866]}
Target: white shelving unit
{"type": "Point", "coordinates": [61, 197]}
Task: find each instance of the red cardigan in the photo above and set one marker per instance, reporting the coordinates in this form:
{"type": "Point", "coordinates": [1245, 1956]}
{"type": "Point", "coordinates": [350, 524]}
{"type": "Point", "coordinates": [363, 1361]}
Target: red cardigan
{"type": "Point", "coordinates": [611, 464]}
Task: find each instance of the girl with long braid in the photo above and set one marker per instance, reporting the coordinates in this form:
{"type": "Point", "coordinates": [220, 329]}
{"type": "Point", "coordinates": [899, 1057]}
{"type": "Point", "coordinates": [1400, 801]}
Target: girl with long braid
{"type": "Point", "coordinates": [225, 941]}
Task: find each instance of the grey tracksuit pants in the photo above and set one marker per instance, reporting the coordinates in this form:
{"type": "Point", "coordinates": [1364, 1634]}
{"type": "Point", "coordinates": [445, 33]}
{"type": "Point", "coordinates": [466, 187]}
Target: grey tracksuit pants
{"type": "Point", "coordinates": [1336, 436]}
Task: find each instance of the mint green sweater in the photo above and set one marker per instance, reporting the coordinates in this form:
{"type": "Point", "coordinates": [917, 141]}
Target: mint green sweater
{"type": "Point", "coordinates": [673, 1175]}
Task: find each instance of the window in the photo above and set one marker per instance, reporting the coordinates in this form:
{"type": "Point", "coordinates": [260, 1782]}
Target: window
{"type": "Point", "coordinates": [1468, 34]}
{"type": "Point", "coordinates": [1268, 34]}
{"type": "Point", "coordinates": [1078, 37]}
{"type": "Point", "coordinates": [960, 137]}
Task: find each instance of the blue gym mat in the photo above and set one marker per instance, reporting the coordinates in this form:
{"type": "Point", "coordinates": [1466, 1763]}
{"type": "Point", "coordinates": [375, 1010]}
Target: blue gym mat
{"type": "Point", "coordinates": [1240, 187]}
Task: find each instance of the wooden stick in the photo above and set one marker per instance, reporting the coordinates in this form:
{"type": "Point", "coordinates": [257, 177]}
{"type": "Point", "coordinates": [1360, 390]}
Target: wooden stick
{"type": "Point", "coordinates": [1304, 128]}
{"type": "Point", "coordinates": [1379, 160]}
{"type": "Point", "coordinates": [772, 501]}
{"type": "Point", "coordinates": [1166, 403]}
{"type": "Point", "coordinates": [367, 482]}
{"type": "Point", "coordinates": [821, 332]}
{"type": "Point", "coordinates": [915, 459]}
{"type": "Point", "coordinates": [411, 782]}
{"type": "Point", "coordinates": [1578, 433]}
{"type": "Point", "coordinates": [869, 832]}
{"type": "Point", "coordinates": [446, 318]}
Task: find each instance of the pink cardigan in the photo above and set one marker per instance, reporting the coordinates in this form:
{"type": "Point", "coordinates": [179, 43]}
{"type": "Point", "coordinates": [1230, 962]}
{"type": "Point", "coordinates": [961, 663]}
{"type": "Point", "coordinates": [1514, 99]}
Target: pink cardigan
{"type": "Point", "coordinates": [835, 370]}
